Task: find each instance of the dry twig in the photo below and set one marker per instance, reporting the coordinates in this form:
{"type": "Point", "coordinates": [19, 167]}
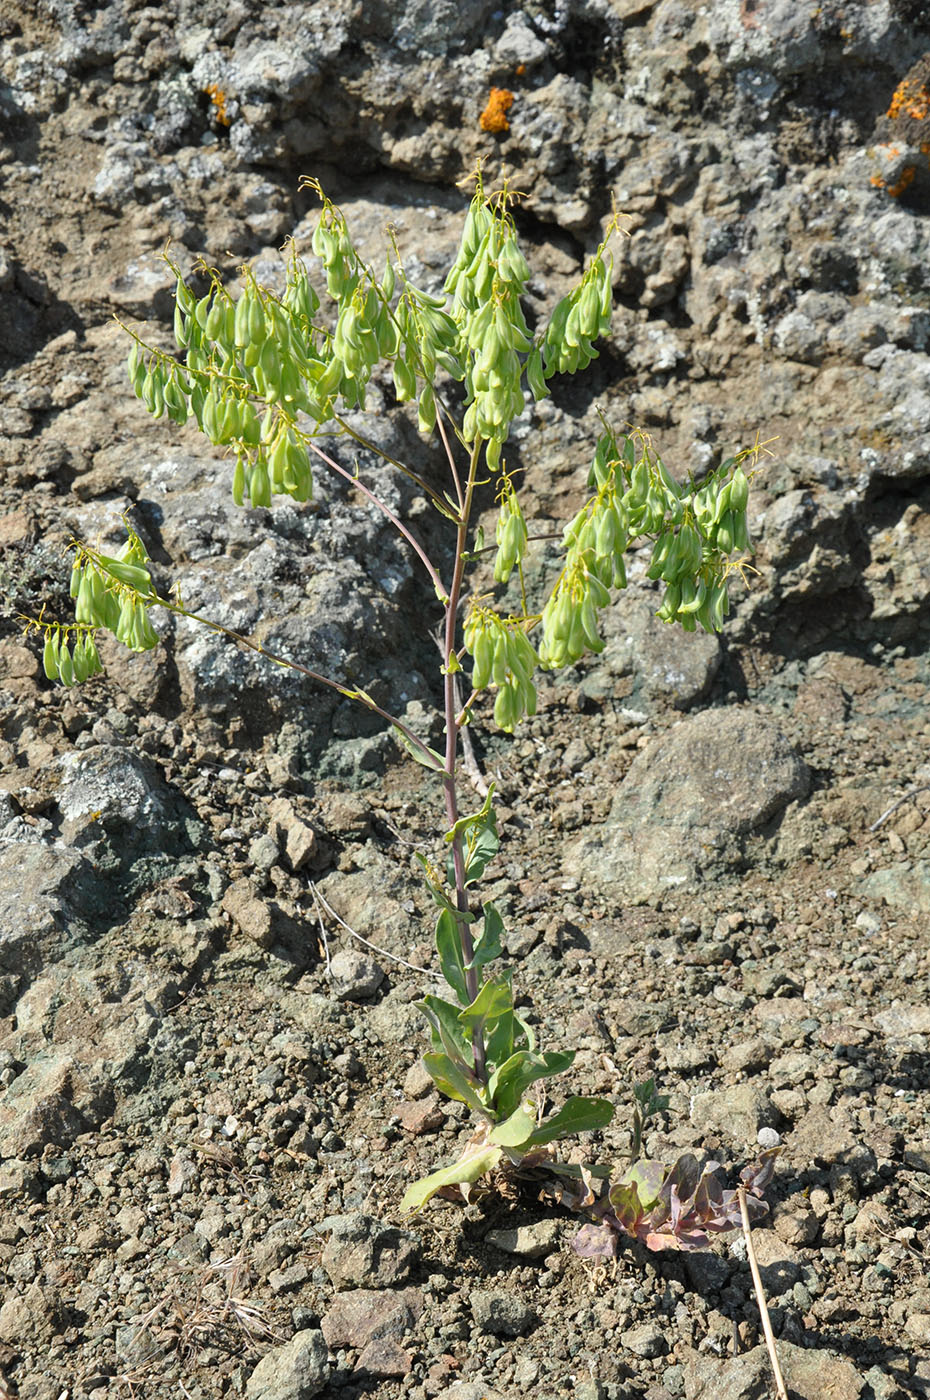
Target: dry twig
{"type": "Point", "coordinates": [760, 1297]}
{"type": "Point", "coordinates": [382, 952]}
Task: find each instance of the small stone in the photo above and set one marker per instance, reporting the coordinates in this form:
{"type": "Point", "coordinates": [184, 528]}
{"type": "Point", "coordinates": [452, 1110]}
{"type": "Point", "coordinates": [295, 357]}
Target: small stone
{"type": "Point", "coordinates": [296, 1371]}
{"type": "Point", "coordinates": [363, 1252]}
{"type": "Point", "coordinates": [250, 915]}
{"type": "Point", "coordinates": [297, 839]}
{"type": "Point", "coordinates": [530, 1241]}
{"type": "Point", "coordinates": [421, 1116]}
{"type": "Point", "coordinates": [383, 1357]}
{"type": "Point", "coordinates": [417, 1081]}
{"type": "Point", "coordinates": [795, 1222]}
{"type": "Point", "coordinates": [646, 1340]}
{"type": "Point", "coordinates": [768, 1138]}
{"type": "Point", "coordinates": [355, 977]}
{"type": "Point", "coordinates": [739, 1111]}
{"type": "Point", "coordinates": [367, 1315]}
{"type": "Point", "coordinates": [917, 1327]}
{"type": "Point", "coordinates": [500, 1314]}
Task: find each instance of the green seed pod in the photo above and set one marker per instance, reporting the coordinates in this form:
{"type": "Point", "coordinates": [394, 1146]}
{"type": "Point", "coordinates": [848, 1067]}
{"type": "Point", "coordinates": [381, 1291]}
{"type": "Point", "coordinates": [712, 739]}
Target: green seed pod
{"type": "Point", "coordinates": [257, 327]}
{"type": "Point", "coordinates": [215, 323]}
{"type": "Point", "coordinates": [426, 410]}
{"type": "Point", "coordinates": [65, 664]}
{"type": "Point", "coordinates": [242, 318]}
{"type": "Point", "coordinates": [739, 491]}
{"type": "Point", "coordinates": [133, 575]}
{"type": "Point", "coordinates": [723, 536]}
{"type": "Point", "coordinates": [506, 713]}
{"type": "Point", "coordinates": [260, 484]}
{"type": "Point", "coordinates": [79, 661]}
{"type": "Point", "coordinates": [405, 380]}
{"type": "Point", "coordinates": [482, 650]}
{"type": "Point", "coordinates": [91, 655]}
{"type": "Point", "coordinates": [239, 482]}
{"type": "Point", "coordinates": [202, 309]}
{"type": "Point", "coordinates": [50, 656]}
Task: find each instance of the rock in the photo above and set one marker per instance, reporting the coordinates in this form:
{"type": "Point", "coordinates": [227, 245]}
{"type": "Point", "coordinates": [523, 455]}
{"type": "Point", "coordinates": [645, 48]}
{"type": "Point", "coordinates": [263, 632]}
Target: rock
{"type": "Point", "coordinates": [50, 1103]}
{"type": "Point", "coordinates": [294, 836]}
{"type": "Point", "coordinates": [364, 1316]}
{"type": "Point", "coordinates": [501, 1314]}
{"type": "Point", "coordinates": [363, 1252]}
{"type": "Point", "coordinates": [739, 1112]}
{"type": "Point", "coordinates": [355, 976]}
{"type": "Point", "coordinates": [530, 1241]}
{"type": "Point", "coordinates": [250, 914]}
{"type": "Point", "coordinates": [295, 1371]}
{"type": "Point", "coordinates": [420, 1116]}
{"type": "Point", "coordinates": [795, 1222]}
{"type": "Point", "coordinates": [809, 1375]}
{"type": "Point", "coordinates": [646, 1340]}
{"type": "Point", "coordinates": [382, 1357]}
{"type": "Point", "coordinates": [917, 1327]}
{"type": "Point", "coordinates": [689, 803]}
{"type": "Point", "coordinates": [30, 1318]}
{"type": "Point", "coordinates": [58, 887]}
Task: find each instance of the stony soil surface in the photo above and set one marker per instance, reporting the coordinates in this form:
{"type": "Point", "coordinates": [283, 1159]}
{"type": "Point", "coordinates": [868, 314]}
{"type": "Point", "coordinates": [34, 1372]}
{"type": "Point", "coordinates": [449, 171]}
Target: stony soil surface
{"type": "Point", "coordinates": [716, 857]}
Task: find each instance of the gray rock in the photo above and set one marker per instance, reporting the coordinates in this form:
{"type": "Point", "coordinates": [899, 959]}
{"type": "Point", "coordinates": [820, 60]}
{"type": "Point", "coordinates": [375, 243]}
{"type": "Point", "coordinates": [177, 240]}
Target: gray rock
{"type": "Point", "coordinates": [664, 662]}
{"type": "Point", "coordinates": [45, 891]}
{"type": "Point", "coordinates": [363, 1252]}
{"type": "Point", "coordinates": [689, 803]}
{"type": "Point", "coordinates": [810, 1375]}
{"type": "Point", "coordinates": [501, 1314]}
{"type": "Point", "coordinates": [249, 913]}
{"type": "Point", "coordinates": [363, 1316]}
{"type": "Point", "coordinates": [739, 1111]}
{"type": "Point", "coordinates": [30, 1318]}
{"type": "Point", "coordinates": [647, 1340]}
{"type": "Point", "coordinates": [530, 1241]}
{"type": "Point", "coordinates": [296, 1371]}
{"type": "Point", "coordinates": [355, 976]}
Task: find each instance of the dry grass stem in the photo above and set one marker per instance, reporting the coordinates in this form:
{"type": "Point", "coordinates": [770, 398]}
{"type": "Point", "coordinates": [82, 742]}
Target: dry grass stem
{"type": "Point", "coordinates": [769, 1335]}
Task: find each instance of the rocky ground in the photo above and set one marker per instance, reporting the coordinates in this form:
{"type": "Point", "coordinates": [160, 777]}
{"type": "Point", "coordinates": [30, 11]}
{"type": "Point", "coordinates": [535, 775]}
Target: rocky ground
{"type": "Point", "coordinates": [716, 857]}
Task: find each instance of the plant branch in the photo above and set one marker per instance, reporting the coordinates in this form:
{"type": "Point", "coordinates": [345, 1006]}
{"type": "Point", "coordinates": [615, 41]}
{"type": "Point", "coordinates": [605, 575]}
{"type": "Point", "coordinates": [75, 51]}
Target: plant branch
{"type": "Point", "coordinates": [386, 510]}
{"type": "Point", "coordinates": [363, 699]}
{"type": "Point", "coordinates": [452, 744]}
{"type": "Point", "coordinates": [449, 454]}
{"type": "Point", "coordinates": [406, 471]}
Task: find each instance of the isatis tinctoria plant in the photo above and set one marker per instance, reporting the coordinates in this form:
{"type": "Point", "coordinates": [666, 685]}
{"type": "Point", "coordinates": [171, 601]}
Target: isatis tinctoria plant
{"type": "Point", "coordinates": [269, 375]}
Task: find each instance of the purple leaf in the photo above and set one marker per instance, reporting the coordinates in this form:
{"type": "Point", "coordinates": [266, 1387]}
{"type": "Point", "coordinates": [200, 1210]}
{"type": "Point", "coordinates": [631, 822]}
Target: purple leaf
{"type": "Point", "coordinates": [595, 1242]}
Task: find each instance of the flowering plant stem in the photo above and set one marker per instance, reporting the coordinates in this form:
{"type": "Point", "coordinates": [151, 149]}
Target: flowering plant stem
{"type": "Point", "coordinates": [265, 375]}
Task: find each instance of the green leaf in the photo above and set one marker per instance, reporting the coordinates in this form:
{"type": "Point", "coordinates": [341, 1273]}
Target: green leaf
{"type": "Point", "coordinates": [426, 756]}
{"type": "Point", "coordinates": [479, 838]}
{"type": "Point", "coordinates": [488, 945]}
{"type": "Point", "coordinates": [494, 1000]}
{"type": "Point", "coordinates": [452, 1081]}
{"type": "Point", "coordinates": [577, 1115]}
{"type": "Point", "coordinates": [644, 1179]}
{"type": "Point", "coordinates": [509, 1083]}
{"type": "Point", "coordinates": [498, 1045]}
{"type": "Point", "coordinates": [517, 1130]}
{"type": "Point", "coordinates": [468, 1170]}
{"type": "Point", "coordinates": [448, 1032]}
{"type": "Point", "coordinates": [449, 948]}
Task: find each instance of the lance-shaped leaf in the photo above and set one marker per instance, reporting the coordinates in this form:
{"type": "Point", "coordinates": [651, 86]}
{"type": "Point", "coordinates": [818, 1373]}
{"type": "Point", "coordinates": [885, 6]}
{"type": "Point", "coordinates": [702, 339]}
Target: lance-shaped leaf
{"type": "Point", "coordinates": [508, 1084]}
{"type": "Point", "coordinates": [517, 1130]}
{"type": "Point", "coordinates": [464, 1172]}
{"type": "Point", "coordinates": [449, 949]}
{"type": "Point", "coordinates": [447, 1031]}
{"type": "Point", "coordinates": [577, 1115]}
{"type": "Point", "coordinates": [479, 839]}
{"type": "Point", "coordinates": [493, 1001]}
{"type": "Point", "coordinates": [453, 1081]}
{"type": "Point", "coordinates": [488, 944]}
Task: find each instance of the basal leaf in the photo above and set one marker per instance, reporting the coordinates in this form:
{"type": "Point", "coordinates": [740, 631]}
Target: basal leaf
{"type": "Point", "coordinates": [577, 1115]}
{"type": "Point", "coordinates": [517, 1130]}
{"type": "Point", "coordinates": [466, 1171]}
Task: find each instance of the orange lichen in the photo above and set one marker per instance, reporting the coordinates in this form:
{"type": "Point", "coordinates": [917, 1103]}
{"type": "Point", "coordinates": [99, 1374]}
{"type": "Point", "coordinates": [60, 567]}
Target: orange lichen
{"type": "Point", "coordinates": [218, 97]}
{"type": "Point", "coordinates": [911, 99]}
{"type": "Point", "coordinates": [494, 116]}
